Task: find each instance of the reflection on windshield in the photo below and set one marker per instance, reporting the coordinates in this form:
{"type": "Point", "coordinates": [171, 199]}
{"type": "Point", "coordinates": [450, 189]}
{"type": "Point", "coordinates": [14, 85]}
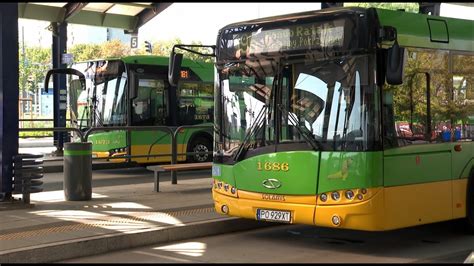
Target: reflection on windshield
{"type": "Point", "coordinates": [326, 102]}
{"type": "Point", "coordinates": [243, 101]}
{"type": "Point", "coordinates": [317, 90]}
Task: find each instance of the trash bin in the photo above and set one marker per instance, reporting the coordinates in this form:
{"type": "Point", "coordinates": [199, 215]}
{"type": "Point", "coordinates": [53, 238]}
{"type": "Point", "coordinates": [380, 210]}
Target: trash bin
{"type": "Point", "coordinates": [77, 183]}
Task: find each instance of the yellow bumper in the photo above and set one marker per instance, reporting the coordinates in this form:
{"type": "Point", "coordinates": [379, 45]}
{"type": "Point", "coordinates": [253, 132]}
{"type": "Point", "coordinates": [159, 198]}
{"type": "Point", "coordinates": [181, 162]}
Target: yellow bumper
{"type": "Point", "coordinates": [100, 154]}
{"type": "Point", "coordinates": [365, 215]}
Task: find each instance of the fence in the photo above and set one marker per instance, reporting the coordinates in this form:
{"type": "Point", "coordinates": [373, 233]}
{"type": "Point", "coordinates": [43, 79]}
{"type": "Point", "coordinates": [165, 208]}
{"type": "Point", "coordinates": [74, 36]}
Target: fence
{"type": "Point", "coordinates": [83, 137]}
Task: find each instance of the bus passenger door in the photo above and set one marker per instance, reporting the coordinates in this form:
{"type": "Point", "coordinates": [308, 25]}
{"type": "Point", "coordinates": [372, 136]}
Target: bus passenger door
{"type": "Point", "coordinates": [462, 133]}
{"type": "Point", "coordinates": [150, 108]}
{"type": "Point", "coordinates": [417, 169]}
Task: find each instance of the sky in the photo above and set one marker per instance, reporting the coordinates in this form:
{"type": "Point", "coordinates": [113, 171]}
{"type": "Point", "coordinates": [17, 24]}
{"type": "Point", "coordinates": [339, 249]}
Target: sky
{"type": "Point", "coordinates": [191, 22]}
{"type": "Point", "coordinates": [204, 28]}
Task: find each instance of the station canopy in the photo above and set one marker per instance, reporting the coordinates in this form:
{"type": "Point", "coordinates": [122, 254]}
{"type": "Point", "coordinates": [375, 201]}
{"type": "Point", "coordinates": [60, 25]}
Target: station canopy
{"type": "Point", "coordinates": [127, 16]}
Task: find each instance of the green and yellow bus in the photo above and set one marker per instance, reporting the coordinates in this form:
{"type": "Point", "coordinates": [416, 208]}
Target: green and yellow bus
{"type": "Point", "coordinates": [134, 91]}
{"type": "Point", "coordinates": [347, 118]}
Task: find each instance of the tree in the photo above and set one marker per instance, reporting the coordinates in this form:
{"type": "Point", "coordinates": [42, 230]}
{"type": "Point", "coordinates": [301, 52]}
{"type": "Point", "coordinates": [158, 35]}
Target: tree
{"type": "Point", "coordinates": [113, 49]}
{"type": "Point", "coordinates": [408, 7]}
{"type": "Point", "coordinates": [84, 52]}
{"type": "Point", "coordinates": [33, 65]}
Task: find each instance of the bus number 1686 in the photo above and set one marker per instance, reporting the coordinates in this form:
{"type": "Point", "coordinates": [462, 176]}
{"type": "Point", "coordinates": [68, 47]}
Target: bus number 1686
{"type": "Point", "coordinates": [272, 166]}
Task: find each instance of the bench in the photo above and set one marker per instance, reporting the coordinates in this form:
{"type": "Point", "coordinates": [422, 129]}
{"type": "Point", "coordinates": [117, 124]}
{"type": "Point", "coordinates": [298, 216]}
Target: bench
{"type": "Point", "coordinates": [157, 169]}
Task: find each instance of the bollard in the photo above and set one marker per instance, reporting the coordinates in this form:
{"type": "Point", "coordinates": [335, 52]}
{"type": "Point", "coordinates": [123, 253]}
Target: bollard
{"type": "Point", "coordinates": [77, 171]}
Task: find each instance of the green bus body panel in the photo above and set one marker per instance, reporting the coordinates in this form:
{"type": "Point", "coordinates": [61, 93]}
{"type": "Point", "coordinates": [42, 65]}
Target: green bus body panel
{"type": "Point", "coordinates": [364, 171]}
{"type": "Point", "coordinates": [300, 179]}
{"type": "Point", "coordinates": [350, 170]}
{"type": "Point", "coordinates": [417, 164]}
{"type": "Point", "coordinates": [105, 141]}
{"type": "Point", "coordinates": [463, 161]}
{"type": "Point", "coordinates": [436, 162]}
{"type": "Point", "coordinates": [226, 174]}
{"type": "Point", "coordinates": [413, 30]}
{"type": "Point", "coordinates": [161, 137]}
{"type": "Point", "coordinates": [150, 137]}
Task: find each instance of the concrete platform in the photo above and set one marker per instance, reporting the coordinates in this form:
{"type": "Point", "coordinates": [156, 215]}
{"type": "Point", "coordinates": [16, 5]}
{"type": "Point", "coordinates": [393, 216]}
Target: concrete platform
{"type": "Point", "coordinates": [119, 216]}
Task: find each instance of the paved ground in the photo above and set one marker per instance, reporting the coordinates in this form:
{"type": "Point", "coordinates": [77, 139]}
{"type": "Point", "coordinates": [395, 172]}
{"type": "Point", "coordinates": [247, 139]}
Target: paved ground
{"type": "Point", "coordinates": [122, 214]}
{"type": "Point", "coordinates": [434, 243]}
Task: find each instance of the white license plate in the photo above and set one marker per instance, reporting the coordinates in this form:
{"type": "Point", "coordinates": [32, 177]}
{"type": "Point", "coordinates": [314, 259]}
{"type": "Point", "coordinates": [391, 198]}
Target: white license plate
{"type": "Point", "coordinates": [273, 215]}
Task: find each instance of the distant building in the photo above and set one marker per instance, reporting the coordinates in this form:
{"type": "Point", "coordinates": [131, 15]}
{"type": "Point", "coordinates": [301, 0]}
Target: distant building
{"type": "Point", "coordinates": [35, 32]}
{"type": "Point", "coordinates": [78, 34]}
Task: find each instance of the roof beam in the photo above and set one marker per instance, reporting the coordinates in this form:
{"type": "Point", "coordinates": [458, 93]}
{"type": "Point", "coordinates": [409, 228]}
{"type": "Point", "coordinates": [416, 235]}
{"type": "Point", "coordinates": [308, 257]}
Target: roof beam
{"type": "Point", "coordinates": [40, 12]}
{"type": "Point", "coordinates": [72, 9]}
{"type": "Point", "coordinates": [136, 5]}
{"type": "Point", "coordinates": [91, 18]}
{"type": "Point", "coordinates": [149, 13]}
{"type": "Point", "coordinates": [325, 5]}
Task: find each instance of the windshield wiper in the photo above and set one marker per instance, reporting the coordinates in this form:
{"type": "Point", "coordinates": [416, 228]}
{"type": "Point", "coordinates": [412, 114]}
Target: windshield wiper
{"type": "Point", "coordinates": [303, 131]}
{"type": "Point", "coordinates": [254, 129]}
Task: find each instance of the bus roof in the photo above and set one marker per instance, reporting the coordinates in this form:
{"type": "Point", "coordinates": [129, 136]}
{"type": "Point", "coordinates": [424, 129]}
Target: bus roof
{"type": "Point", "coordinates": [421, 30]}
{"type": "Point", "coordinates": [413, 29]}
{"type": "Point", "coordinates": [299, 15]}
{"type": "Point", "coordinates": [204, 70]}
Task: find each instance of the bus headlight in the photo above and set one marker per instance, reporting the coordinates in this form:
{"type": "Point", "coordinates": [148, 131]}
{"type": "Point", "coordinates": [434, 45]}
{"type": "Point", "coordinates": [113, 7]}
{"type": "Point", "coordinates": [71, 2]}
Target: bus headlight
{"type": "Point", "coordinates": [225, 209]}
{"type": "Point", "coordinates": [323, 197]}
{"type": "Point", "coordinates": [335, 195]}
{"type": "Point", "coordinates": [349, 194]}
{"type": "Point", "coordinates": [336, 220]}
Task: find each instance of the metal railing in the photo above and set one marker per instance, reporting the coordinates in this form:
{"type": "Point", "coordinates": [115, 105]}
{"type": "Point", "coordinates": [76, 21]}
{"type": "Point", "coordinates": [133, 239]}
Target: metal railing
{"type": "Point", "coordinates": [32, 121]}
{"type": "Point", "coordinates": [173, 132]}
{"type": "Point", "coordinates": [54, 129]}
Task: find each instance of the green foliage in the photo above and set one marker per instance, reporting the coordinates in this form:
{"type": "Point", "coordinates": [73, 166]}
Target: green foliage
{"type": "Point", "coordinates": [36, 61]}
{"type": "Point", "coordinates": [408, 7]}
{"type": "Point", "coordinates": [35, 124]}
{"type": "Point", "coordinates": [84, 52]}
{"type": "Point", "coordinates": [33, 64]}
{"type": "Point", "coordinates": [114, 49]}
{"type": "Point", "coordinates": [163, 48]}
{"type": "Point", "coordinates": [451, 97]}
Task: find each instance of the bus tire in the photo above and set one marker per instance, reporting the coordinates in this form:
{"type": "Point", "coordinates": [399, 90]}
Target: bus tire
{"type": "Point", "coordinates": [200, 144]}
{"type": "Point", "coordinates": [469, 221]}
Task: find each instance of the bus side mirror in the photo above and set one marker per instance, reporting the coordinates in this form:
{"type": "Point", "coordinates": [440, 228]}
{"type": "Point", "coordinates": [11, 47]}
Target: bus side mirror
{"type": "Point", "coordinates": [70, 71]}
{"type": "Point", "coordinates": [395, 60]}
{"type": "Point", "coordinates": [174, 68]}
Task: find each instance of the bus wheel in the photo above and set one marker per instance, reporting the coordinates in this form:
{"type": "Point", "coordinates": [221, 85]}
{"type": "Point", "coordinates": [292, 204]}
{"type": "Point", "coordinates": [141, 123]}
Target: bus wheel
{"type": "Point", "coordinates": [200, 144]}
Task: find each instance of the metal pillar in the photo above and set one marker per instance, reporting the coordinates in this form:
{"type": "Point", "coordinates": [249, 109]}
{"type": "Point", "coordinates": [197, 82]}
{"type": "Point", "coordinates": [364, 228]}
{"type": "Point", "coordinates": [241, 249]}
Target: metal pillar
{"type": "Point", "coordinates": [325, 5]}
{"type": "Point", "coordinates": [9, 92]}
{"type": "Point", "coordinates": [59, 84]}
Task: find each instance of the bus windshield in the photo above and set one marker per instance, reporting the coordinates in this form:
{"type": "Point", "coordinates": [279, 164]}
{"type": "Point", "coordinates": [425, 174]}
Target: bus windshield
{"type": "Point", "coordinates": [103, 102]}
{"type": "Point", "coordinates": [327, 102]}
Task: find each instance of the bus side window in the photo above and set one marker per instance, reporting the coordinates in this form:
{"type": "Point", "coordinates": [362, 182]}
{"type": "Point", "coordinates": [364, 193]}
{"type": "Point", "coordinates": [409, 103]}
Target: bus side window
{"type": "Point", "coordinates": [195, 102]}
{"type": "Point", "coordinates": [463, 96]}
{"type": "Point", "coordinates": [158, 96]}
{"type": "Point", "coordinates": [149, 107]}
{"type": "Point", "coordinates": [409, 109]}
{"type": "Point", "coordinates": [440, 101]}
